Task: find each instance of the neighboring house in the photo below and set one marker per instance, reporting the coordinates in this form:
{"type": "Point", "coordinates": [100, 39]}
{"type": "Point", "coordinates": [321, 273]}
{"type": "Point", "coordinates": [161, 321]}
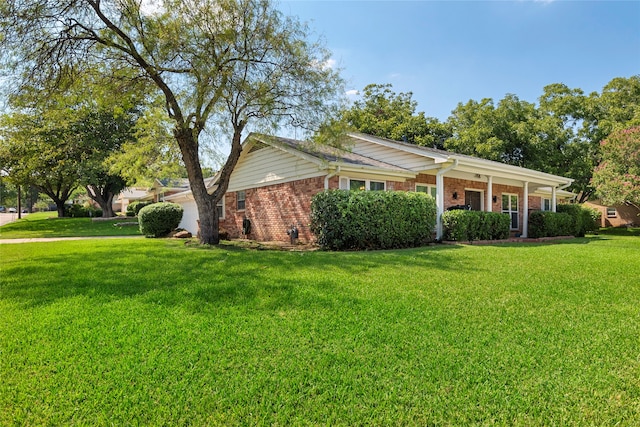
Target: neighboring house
{"type": "Point", "coordinates": [158, 192]}
{"type": "Point", "coordinates": [275, 179]}
{"type": "Point", "coordinates": [624, 215]}
{"type": "Point", "coordinates": [128, 196]}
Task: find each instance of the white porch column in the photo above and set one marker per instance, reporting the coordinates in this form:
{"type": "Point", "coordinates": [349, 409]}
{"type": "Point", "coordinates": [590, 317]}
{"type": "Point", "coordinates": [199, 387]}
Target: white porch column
{"type": "Point", "coordinates": [525, 214]}
{"type": "Point", "coordinates": [439, 204]}
{"type": "Point", "coordinates": [489, 204]}
{"type": "Point", "coordinates": [553, 199]}
{"type": "Point", "coordinates": [440, 197]}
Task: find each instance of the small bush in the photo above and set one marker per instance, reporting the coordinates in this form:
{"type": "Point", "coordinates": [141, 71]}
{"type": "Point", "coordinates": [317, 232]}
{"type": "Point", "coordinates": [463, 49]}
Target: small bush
{"type": "Point", "coordinates": [133, 208]}
{"type": "Point", "coordinates": [159, 219]}
{"type": "Point", "coordinates": [372, 219]}
{"type": "Point", "coordinates": [463, 225]}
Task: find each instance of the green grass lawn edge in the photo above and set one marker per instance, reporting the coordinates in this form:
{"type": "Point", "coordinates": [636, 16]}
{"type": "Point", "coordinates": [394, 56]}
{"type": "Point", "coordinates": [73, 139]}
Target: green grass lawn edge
{"type": "Point", "coordinates": [45, 224]}
{"type": "Point", "coordinates": [154, 332]}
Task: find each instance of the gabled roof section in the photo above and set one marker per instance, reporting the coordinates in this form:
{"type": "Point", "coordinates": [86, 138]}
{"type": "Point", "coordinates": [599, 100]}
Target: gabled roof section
{"type": "Point", "coordinates": [439, 156]}
{"type": "Point", "coordinates": [467, 163]}
{"type": "Point", "coordinates": [324, 156]}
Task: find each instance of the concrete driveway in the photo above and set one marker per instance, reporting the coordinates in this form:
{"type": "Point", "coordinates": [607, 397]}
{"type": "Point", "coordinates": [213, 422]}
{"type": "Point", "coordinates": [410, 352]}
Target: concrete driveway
{"type": "Point", "coordinates": [6, 218]}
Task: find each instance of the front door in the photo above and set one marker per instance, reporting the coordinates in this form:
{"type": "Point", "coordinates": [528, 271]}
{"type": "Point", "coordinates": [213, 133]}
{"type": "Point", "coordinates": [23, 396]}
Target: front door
{"type": "Point", "coordinates": [473, 199]}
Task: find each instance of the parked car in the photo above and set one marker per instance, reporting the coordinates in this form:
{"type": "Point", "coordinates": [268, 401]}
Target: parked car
{"type": "Point", "coordinates": [2, 209]}
{"type": "Point", "coordinates": [12, 210]}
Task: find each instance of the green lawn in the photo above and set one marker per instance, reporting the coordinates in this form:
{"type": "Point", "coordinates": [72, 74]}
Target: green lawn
{"type": "Point", "coordinates": [46, 224]}
{"type": "Point", "coordinates": [149, 332]}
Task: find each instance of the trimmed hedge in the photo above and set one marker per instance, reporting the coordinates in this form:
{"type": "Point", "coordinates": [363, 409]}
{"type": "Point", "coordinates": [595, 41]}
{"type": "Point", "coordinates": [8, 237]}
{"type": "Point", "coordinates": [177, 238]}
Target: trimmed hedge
{"type": "Point", "coordinates": [549, 224]}
{"type": "Point", "coordinates": [133, 208]}
{"type": "Point", "coordinates": [583, 219]}
{"type": "Point", "coordinates": [463, 225]}
{"type": "Point", "coordinates": [159, 219]}
{"type": "Point", "coordinates": [343, 220]}
{"type": "Point", "coordinates": [569, 220]}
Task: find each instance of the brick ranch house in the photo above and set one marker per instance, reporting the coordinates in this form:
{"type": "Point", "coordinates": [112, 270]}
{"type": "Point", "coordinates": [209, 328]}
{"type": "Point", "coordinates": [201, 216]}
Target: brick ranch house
{"type": "Point", "coordinates": [275, 179]}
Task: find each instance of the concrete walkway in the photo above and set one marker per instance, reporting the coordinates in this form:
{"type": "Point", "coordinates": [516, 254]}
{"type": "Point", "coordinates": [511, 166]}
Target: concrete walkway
{"type": "Point", "coordinates": [58, 239]}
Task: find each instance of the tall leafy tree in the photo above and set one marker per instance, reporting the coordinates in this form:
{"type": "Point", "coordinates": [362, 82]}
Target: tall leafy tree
{"type": "Point", "coordinates": [230, 62]}
{"type": "Point", "coordinates": [617, 177]}
{"type": "Point", "coordinates": [40, 150]}
{"type": "Point", "coordinates": [507, 132]}
{"type": "Point", "coordinates": [384, 113]}
{"type": "Point", "coordinates": [100, 133]}
{"type": "Point", "coordinates": [77, 128]}
{"type": "Point", "coordinates": [584, 122]}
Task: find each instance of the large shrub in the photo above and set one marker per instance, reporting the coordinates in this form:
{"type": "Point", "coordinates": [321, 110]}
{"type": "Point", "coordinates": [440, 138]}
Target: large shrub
{"type": "Point", "coordinates": [463, 225]}
{"type": "Point", "coordinates": [550, 224]}
{"type": "Point", "coordinates": [159, 219]}
{"type": "Point", "coordinates": [372, 219]}
{"type": "Point", "coordinates": [582, 218]}
{"type": "Point", "coordinates": [133, 208]}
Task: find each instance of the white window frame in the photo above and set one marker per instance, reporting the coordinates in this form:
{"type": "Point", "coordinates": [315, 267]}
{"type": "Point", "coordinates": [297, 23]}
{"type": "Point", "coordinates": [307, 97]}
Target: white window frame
{"type": "Point", "coordinates": [244, 200]}
{"type": "Point", "coordinates": [611, 214]}
{"type": "Point", "coordinates": [345, 183]}
{"type": "Point", "coordinates": [221, 205]}
{"type": "Point", "coordinates": [429, 189]}
{"type": "Point", "coordinates": [543, 201]}
{"type": "Point", "coordinates": [511, 211]}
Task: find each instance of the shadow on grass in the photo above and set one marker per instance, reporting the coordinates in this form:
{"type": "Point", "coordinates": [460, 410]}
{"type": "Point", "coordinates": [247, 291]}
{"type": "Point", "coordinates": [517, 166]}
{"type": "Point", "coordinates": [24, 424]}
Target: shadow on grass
{"type": "Point", "coordinates": [169, 273]}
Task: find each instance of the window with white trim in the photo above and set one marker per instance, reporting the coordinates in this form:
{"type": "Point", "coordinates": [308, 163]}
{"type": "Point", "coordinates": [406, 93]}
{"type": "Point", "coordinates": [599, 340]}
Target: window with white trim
{"type": "Point", "coordinates": [510, 206]}
{"type": "Point", "coordinates": [240, 200]}
{"type": "Point", "coordinates": [362, 184]}
{"type": "Point", "coordinates": [611, 213]}
{"type": "Point", "coordinates": [429, 189]}
{"type": "Point", "coordinates": [220, 208]}
{"type": "Point", "coordinates": [546, 204]}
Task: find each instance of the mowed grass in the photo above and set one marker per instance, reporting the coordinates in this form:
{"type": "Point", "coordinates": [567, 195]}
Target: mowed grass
{"type": "Point", "coordinates": [155, 332]}
{"type": "Point", "coordinates": [46, 224]}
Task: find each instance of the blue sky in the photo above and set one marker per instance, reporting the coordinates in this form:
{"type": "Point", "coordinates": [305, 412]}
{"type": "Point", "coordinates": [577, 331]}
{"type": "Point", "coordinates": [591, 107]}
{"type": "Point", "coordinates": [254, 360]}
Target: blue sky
{"type": "Point", "coordinates": [447, 52]}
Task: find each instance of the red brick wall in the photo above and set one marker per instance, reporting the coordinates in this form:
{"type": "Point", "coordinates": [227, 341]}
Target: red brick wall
{"type": "Point", "coordinates": [625, 215]}
{"type": "Point", "coordinates": [272, 210]}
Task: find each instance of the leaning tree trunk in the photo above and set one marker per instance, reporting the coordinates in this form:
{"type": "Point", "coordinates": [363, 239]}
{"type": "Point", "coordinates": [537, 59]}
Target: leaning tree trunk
{"type": "Point", "coordinates": [206, 203]}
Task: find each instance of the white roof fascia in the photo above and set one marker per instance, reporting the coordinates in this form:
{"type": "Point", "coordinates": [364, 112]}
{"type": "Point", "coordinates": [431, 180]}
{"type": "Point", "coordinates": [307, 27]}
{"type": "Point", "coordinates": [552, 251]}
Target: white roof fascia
{"type": "Point", "coordinates": [472, 164]}
{"type": "Point", "coordinates": [346, 168]}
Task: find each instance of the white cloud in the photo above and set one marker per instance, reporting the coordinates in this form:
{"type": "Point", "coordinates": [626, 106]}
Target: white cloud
{"type": "Point", "coordinates": [331, 63]}
{"type": "Point", "coordinates": [352, 92]}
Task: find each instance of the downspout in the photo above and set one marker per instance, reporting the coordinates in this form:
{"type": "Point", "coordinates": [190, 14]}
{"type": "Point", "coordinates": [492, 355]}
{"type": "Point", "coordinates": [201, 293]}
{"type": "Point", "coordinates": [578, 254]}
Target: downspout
{"type": "Point", "coordinates": [329, 176]}
{"type": "Point", "coordinates": [440, 197]}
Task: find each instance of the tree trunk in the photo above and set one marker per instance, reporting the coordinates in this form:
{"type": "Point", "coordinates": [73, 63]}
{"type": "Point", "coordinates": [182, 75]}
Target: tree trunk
{"type": "Point", "coordinates": [60, 208]}
{"type": "Point", "coordinates": [104, 198]}
{"type": "Point", "coordinates": [206, 203]}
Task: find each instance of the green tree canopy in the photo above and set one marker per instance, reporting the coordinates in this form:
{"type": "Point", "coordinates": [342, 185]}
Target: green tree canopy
{"type": "Point", "coordinates": [228, 62]}
{"type": "Point", "coordinates": [382, 112]}
{"type": "Point", "coordinates": [617, 177]}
